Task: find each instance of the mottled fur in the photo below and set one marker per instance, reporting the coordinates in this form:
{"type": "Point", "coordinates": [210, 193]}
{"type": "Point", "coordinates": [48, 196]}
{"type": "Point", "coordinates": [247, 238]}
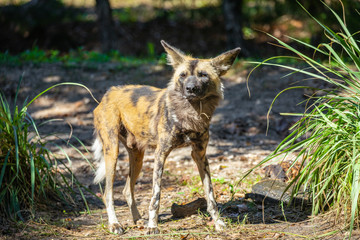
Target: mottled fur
{"type": "Point", "coordinates": [144, 116]}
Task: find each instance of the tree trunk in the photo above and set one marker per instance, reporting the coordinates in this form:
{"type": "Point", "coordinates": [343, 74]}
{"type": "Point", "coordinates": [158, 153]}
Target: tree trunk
{"type": "Point", "coordinates": [106, 26]}
{"type": "Point", "coordinates": [232, 11]}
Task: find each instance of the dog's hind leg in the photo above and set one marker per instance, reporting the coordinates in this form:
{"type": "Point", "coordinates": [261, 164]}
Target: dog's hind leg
{"type": "Point", "coordinates": [111, 152]}
{"type": "Point", "coordinates": [136, 160]}
{"type": "Point", "coordinates": [199, 155]}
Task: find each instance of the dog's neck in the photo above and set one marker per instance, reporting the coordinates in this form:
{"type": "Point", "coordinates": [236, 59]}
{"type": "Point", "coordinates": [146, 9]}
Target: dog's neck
{"type": "Point", "coordinates": [191, 115]}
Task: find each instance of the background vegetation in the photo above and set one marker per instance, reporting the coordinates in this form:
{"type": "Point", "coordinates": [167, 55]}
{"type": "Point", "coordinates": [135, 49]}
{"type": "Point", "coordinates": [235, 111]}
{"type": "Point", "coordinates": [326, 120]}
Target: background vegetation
{"type": "Point", "coordinates": [136, 27]}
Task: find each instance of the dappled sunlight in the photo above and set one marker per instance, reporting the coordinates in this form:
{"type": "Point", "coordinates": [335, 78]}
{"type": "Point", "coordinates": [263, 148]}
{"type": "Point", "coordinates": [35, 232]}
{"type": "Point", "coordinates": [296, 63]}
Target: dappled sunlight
{"type": "Point", "coordinates": [52, 79]}
{"type": "Point", "coordinates": [58, 109]}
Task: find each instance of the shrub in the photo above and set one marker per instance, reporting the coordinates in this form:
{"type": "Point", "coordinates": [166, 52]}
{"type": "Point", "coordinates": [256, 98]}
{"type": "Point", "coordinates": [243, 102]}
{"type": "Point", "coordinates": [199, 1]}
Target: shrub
{"type": "Point", "coordinates": [326, 139]}
{"type": "Point", "coordinates": [29, 171]}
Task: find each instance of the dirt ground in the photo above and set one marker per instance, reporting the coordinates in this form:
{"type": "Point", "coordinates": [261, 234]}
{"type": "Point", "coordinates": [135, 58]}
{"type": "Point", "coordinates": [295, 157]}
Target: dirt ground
{"type": "Point", "coordinates": [238, 142]}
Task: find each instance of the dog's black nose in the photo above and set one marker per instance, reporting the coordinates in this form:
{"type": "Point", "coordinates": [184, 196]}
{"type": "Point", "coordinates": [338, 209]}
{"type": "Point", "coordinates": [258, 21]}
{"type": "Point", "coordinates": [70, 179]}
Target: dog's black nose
{"type": "Point", "coordinates": [192, 86]}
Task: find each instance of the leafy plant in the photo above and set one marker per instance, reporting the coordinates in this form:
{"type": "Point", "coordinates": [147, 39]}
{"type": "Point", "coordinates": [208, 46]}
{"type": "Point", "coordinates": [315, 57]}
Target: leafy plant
{"type": "Point", "coordinates": [326, 139]}
{"type": "Point", "coordinates": [29, 172]}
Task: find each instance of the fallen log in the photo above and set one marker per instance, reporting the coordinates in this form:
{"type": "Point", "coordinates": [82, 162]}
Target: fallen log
{"type": "Point", "coordinates": [180, 211]}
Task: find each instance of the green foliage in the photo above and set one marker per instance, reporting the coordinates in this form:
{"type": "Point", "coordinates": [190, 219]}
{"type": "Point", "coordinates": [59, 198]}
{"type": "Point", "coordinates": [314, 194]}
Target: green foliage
{"type": "Point", "coordinates": [127, 15]}
{"type": "Point", "coordinates": [151, 49]}
{"type": "Point", "coordinates": [79, 58]}
{"type": "Point", "coordinates": [326, 139]}
{"type": "Point", "coordinates": [36, 55]}
{"type": "Point", "coordinates": [29, 172]}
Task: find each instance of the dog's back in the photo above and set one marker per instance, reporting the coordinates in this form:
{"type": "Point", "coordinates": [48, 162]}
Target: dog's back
{"type": "Point", "coordinates": [132, 112]}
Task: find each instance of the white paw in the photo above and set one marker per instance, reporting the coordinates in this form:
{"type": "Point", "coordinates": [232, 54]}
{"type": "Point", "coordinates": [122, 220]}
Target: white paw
{"type": "Point", "coordinates": [153, 230]}
{"type": "Point", "coordinates": [116, 228]}
{"type": "Point", "coordinates": [219, 225]}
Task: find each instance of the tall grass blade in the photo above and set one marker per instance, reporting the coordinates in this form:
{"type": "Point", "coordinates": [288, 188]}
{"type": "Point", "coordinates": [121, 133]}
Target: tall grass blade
{"type": "Point", "coordinates": [32, 170]}
{"type": "Point", "coordinates": [62, 84]}
{"type": "Point", "coordinates": [2, 174]}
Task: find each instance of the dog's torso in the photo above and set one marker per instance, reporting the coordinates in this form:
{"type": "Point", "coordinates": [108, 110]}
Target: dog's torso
{"type": "Point", "coordinates": [147, 114]}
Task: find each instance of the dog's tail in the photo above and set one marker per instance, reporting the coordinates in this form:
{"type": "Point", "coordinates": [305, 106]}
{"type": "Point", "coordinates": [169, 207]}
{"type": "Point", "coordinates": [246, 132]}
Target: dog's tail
{"type": "Point", "coordinates": [97, 148]}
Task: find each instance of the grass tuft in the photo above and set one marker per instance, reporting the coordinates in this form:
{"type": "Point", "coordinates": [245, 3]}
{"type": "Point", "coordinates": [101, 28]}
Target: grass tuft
{"type": "Point", "coordinates": [326, 140]}
{"type": "Point", "coordinates": [29, 172]}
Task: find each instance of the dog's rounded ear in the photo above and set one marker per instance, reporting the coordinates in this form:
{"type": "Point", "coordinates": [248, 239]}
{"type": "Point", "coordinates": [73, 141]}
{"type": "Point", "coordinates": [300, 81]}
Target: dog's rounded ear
{"type": "Point", "coordinates": [223, 62]}
{"type": "Point", "coordinates": [174, 56]}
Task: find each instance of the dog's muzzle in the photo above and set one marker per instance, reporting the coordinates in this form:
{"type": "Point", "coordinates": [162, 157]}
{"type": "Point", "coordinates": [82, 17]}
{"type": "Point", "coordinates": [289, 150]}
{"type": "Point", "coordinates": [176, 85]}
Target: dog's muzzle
{"type": "Point", "coordinates": [193, 88]}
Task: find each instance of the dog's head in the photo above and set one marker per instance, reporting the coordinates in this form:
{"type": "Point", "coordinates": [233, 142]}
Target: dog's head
{"type": "Point", "coordinates": [197, 79]}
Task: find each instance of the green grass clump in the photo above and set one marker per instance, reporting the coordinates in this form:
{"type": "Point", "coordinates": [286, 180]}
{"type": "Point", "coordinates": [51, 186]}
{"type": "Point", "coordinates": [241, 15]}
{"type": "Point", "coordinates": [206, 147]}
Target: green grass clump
{"type": "Point", "coordinates": [326, 139]}
{"type": "Point", "coordinates": [29, 172]}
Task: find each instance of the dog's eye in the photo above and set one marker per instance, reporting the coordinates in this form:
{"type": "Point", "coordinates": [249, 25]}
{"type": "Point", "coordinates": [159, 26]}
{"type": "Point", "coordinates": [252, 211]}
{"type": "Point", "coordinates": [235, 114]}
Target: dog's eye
{"type": "Point", "coordinates": [182, 74]}
{"type": "Point", "coordinates": [202, 74]}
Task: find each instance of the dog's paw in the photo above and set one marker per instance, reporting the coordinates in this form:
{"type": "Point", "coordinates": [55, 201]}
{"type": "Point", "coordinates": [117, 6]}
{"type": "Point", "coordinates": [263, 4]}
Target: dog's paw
{"type": "Point", "coordinates": [153, 230]}
{"type": "Point", "coordinates": [116, 228]}
{"type": "Point", "coordinates": [220, 225]}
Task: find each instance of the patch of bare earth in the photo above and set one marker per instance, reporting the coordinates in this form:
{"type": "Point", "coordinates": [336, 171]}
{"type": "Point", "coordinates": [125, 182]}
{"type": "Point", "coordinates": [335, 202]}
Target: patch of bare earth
{"type": "Point", "coordinates": [238, 142]}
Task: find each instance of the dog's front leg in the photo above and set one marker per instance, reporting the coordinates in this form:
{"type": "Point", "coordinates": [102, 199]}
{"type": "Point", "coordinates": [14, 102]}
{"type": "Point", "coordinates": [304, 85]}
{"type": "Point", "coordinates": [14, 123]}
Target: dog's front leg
{"type": "Point", "coordinates": [199, 155]}
{"type": "Point", "coordinates": [161, 153]}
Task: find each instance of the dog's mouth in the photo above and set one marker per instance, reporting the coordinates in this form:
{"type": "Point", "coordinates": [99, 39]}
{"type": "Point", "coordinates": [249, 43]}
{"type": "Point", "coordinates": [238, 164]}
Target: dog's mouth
{"type": "Point", "coordinates": [191, 96]}
{"type": "Point", "coordinates": [194, 95]}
